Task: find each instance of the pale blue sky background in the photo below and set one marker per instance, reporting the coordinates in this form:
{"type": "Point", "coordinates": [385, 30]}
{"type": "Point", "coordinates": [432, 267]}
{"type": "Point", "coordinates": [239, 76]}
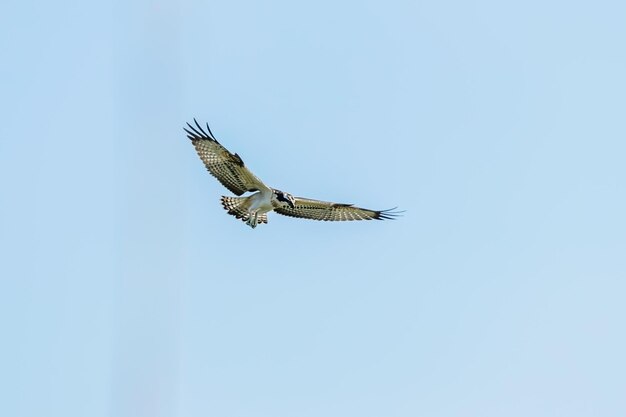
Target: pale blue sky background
{"type": "Point", "coordinates": [126, 290]}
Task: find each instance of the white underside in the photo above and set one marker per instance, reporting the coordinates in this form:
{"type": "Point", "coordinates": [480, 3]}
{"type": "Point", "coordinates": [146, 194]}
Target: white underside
{"type": "Point", "coordinates": [260, 203]}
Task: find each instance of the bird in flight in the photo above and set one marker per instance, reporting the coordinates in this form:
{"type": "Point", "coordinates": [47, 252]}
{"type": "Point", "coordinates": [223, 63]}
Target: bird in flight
{"type": "Point", "coordinates": [230, 170]}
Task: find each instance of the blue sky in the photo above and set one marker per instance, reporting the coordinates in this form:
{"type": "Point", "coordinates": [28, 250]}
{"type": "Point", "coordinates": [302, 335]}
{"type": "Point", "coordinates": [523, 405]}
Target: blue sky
{"type": "Point", "coordinates": [126, 290]}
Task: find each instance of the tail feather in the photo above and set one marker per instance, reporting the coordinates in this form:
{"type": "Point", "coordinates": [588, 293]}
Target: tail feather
{"type": "Point", "coordinates": [239, 206]}
{"type": "Point", "coordinates": [236, 206]}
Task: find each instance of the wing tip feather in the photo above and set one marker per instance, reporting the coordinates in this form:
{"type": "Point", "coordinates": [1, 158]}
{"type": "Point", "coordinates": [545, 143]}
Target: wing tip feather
{"type": "Point", "coordinates": [198, 133]}
{"type": "Point", "coordinates": [389, 214]}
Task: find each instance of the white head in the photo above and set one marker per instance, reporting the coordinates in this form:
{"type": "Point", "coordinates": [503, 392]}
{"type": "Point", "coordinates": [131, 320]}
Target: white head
{"type": "Point", "coordinates": [284, 198]}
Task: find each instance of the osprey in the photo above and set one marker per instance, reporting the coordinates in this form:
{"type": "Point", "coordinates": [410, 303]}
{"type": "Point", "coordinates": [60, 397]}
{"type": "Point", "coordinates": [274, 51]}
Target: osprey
{"type": "Point", "coordinates": [230, 170]}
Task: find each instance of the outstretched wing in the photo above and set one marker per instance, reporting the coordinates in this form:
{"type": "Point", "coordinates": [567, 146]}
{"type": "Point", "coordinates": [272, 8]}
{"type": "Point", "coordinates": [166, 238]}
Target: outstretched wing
{"type": "Point", "coordinates": [322, 210]}
{"type": "Point", "coordinates": [228, 168]}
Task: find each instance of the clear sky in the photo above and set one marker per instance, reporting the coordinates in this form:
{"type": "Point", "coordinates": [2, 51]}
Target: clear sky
{"type": "Point", "coordinates": [127, 291]}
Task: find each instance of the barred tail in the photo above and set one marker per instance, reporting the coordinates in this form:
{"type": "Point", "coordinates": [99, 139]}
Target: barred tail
{"type": "Point", "coordinates": [236, 206]}
{"type": "Point", "coordinates": [239, 207]}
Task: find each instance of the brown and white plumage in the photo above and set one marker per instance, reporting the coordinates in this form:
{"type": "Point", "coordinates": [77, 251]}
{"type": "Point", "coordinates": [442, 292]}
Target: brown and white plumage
{"type": "Point", "coordinates": [306, 208]}
{"type": "Point", "coordinates": [230, 170]}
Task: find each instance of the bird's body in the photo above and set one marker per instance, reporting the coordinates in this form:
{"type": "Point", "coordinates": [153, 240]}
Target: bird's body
{"type": "Point", "coordinates": [254, 208]}
{"type": "Point", "coordinates": [262, 202]}
{"type": "Point", "coordinates": [230, 170]}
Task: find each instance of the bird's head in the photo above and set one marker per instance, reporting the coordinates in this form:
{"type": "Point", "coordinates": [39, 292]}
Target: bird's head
{"type": "Point", "coordinates": [285, 198]}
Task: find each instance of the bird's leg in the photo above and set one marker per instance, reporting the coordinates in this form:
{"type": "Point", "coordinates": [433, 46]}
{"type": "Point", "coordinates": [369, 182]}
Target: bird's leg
{"type": "Point", "coordinates": [252, 219]}
{"type": "Point", "coordinates": [255, 215]}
